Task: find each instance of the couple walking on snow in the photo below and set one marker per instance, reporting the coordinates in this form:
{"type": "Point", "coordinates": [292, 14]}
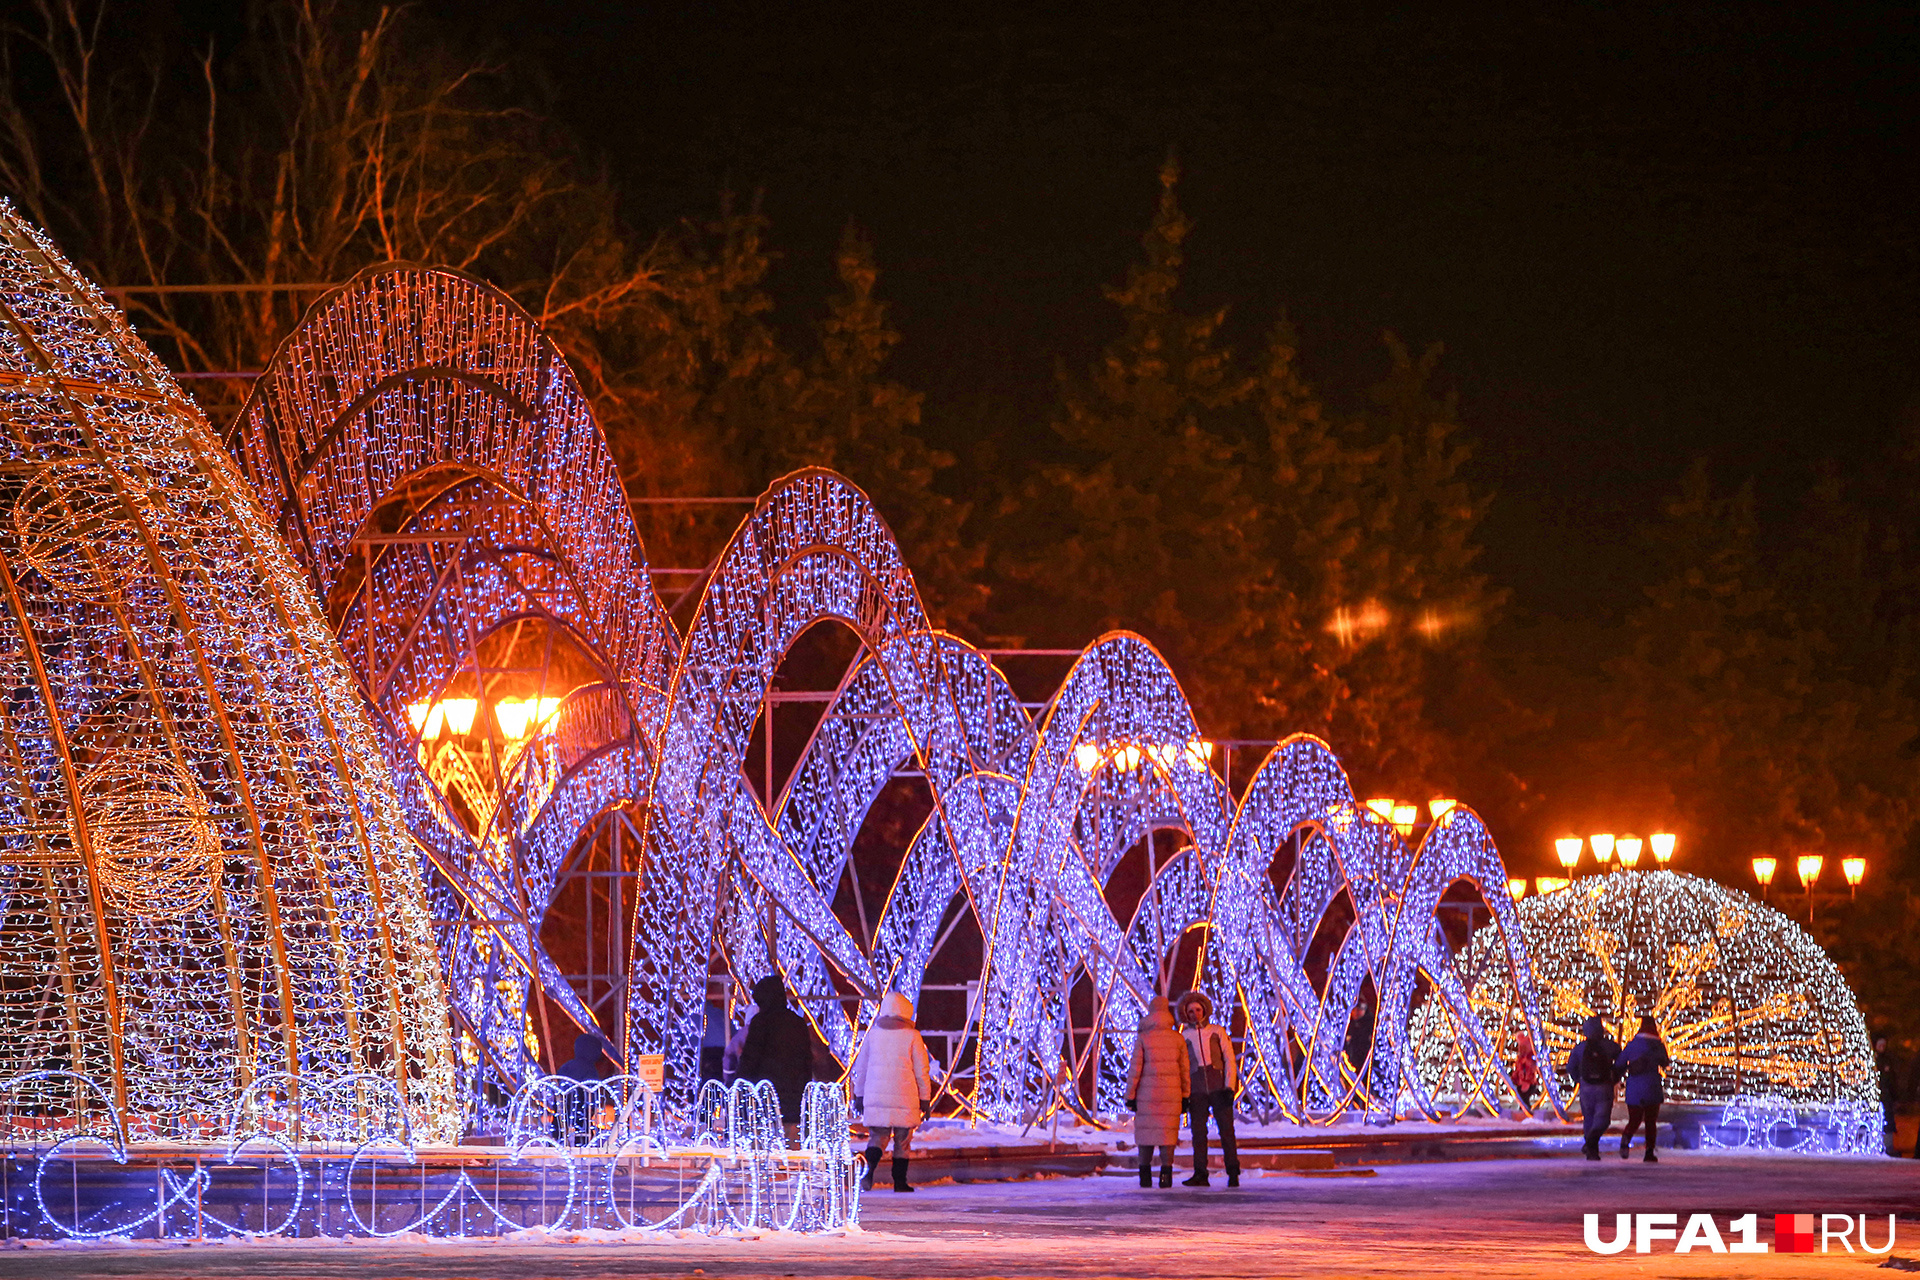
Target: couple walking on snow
{"type": "Point", "coordinates": [1598, 1064]}
{"type": "Point", "coordinates": [1190, 1069]}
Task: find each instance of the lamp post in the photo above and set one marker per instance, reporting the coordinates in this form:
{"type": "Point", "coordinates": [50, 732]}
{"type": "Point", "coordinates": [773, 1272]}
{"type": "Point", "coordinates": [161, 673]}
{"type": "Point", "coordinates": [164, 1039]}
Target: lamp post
{"type": "Point", "coordinates": [1855, 869]}
{"type": "Point", "coordinates": [1567, 849]}
{"type": "Point", "coordinates": [1763, 869]}
{"type": "Point", "coordinates": [1602, 850]}
{"type": "Point", "coordinates": [1809, 865]}
{"type": "Point", "coordinates": [1662, 844]}
{"type": "Point", "coordinates": [1627, 849]}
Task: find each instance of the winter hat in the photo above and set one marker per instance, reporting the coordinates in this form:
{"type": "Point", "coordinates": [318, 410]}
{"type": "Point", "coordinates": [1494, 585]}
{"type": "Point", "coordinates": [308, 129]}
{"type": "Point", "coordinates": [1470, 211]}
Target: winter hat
{"type": "Point", "coordinates": [770, 992]}
{"type": "Point", "coordinates": [1195, 997]}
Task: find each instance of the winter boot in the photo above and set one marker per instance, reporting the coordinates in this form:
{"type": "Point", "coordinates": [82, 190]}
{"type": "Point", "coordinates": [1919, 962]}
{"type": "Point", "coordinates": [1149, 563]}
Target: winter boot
{"type": "Point", "coordinates": [1623, 1147]}
{"type": "Point", "coordinates": [900, 1174]}
{"type": "Point", "coordinates": [1146, 1175]}
{"type": "Point", "coordinates": [1233, 1177]}
{"type": "Point", "coordinates": [1199, 1179]}
{"type": "Point", "coordinates": [873, 1165]}
{"type": "Point", "coordinates": [1166, 1175]}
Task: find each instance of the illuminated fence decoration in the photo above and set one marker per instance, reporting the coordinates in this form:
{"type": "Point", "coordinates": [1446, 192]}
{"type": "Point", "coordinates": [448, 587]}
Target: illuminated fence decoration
{"type": "Point", "coordinates": [1753, 1011]}
{"type": "Point", "coordinates": [345, 1165]}
{"type": "Point", "coordinates": [205, 874]}
{"type": "Point", "coordinates": [1772, 1123]}
{"type": "Point", "coordinates": [434, 465]}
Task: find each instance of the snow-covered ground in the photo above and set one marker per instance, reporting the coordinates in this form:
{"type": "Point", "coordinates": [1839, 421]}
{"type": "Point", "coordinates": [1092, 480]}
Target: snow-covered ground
{"type": "Point", "coordinates": [1484, 1219]}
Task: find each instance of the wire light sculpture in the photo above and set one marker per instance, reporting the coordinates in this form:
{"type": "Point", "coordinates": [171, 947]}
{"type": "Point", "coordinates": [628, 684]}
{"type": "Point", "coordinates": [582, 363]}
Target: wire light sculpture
{"type": "Point", "coordinates": [206, 876]}
{"type": "Point", "coordinates": [1754, 1013]}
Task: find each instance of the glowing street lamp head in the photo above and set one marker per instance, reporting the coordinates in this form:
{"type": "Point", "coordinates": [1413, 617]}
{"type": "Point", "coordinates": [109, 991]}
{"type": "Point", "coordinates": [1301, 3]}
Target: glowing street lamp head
{"type": "Point", "coordinates": [1628, 849]}
{"type": "Point", "coordinates": [1855, 870]}
{"type": "Point", "coordinates": [1809, 865]}
{"type": "Point", "coordinates": [1382, 805]}
{"type": "Point", "coordinates": [1087, 756]}
{"type": "Point", "coordinates": [427, 718]}
{"type": "Point", "coordinates": [1763, 869]}
{"type": "Point", "coordinates": [460, 713]}
{"type": "Point", "coordinates": [1440, 807]}
{"type": "Point", "coordinates": [1662, 842]}
{"type": "Point", "coordinates": [1404, 816]}
{"type": "Point", "coordinates": [1549, 884]}
{"type": "Point", "coordinates": [1602, 848]}
{"type": "Point", "coordinates": [1517, 889]}
{"type": "Point", "coordinates": [1567, 849]}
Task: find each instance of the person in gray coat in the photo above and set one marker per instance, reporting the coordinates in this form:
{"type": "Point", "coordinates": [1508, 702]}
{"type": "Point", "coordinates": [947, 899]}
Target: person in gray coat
{"type": "Point", "coordinates": [1591, 1064]}
{"type": "Point", "coordinates": [1640, 1063]}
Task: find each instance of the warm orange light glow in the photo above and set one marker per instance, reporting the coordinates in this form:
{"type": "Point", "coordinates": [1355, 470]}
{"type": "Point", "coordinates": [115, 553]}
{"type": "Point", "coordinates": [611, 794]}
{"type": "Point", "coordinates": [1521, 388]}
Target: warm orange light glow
{"type": "Point", "coordinates": [1809, 865]}
{"type": "Point", "coordinates": [1628, 849]}
{"type": "Point", "coordinates": [1199, 753]}
{"type": "Point", "coordinates": [1567, 849]}
{"type": "Point", "coordinates": [1763, 869]}
{"type": "Point", "coordinates": [1517, 888]}
{"type": "Point", "coordinates": [1128, 757]}
{"type": "Point", "coordinates": [1662, 842]}
{"type": "Point", "coordinates": [1549, 884]}
{"type": "Point", "coordinates": [1087, 756]}
{"type": "Point", "coordinates": [460, 713]}
{"type": "Point", "coordinates": [1440, 808]}
{"type": "Point", "coordinates": [427, 719]}
{"type": "Point", "coordinates": [1404, 816]}
{"type": "Point", "coordinates": [1602, 848]}
{"type": "Point", "coordinates": [521, 717]}
{"type": "Point", "coordinates": [1382, 806]}
{"type": "Point", "coordinates": [1855, 870]}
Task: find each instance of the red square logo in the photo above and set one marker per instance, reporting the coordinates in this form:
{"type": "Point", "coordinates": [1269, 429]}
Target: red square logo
{"type": "Point", "coordinates": [1794, 1233]}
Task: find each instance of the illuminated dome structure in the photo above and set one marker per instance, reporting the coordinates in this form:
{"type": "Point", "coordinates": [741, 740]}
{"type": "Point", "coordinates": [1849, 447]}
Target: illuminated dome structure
{"type": "Point", "coordinates": [207, 882]}
{"type": "Point", "coordinates": [1749, 1004]}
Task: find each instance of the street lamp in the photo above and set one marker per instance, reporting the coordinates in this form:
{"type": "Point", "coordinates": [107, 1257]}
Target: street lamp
{"type": "Point", "coordinates": [1763, 869]}
{"type": "Point", "coordinates": [1855, 869]}
{"type": "Point", "coordinates": [1404, 816]}
{"type": "Point", "coordinates": [1661, 842]}
{"type": "Point", "coordinates": [1567, 849]}
{"type": "Point", "coordinates": [1549, 884]}
{"type": "Point", "coordinates": [1809, 867]}
{"type": "Point", "coordinates": [1628, 849]}
{"type": "Point", "coordinates": [1517, 889]}
{"type": "Point", "coordinates": [1602, 849]}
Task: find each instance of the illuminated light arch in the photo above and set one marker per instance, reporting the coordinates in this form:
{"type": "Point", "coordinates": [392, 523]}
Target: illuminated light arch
{"type": "Point", "coordinates": [207, 876]}
{"type": "Point", "coordinates": [1030, 817]}
{"type": "Point", "coordinates": [1749, 1004]}
{"type": "Point", "coordinates": [432, 461]}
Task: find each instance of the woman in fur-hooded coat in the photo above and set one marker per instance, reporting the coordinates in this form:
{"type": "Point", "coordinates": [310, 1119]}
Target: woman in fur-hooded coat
{"type": "Point", "coordinates": [1157, 1079]}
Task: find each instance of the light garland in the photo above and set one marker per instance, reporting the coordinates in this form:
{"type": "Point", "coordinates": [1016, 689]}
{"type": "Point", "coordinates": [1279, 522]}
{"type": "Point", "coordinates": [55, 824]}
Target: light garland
{"type": "Point", "coordinates": [1748, 1003]}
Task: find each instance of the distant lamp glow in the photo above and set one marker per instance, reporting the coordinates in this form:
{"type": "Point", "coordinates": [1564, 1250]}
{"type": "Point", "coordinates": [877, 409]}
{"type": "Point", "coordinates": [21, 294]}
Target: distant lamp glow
{"type": "Point", "coordinates": [1567, 849]}
{"type": "Point", "coordinates": [1199, 753]}
{"type": "Point", "coordinates": [1809, 865]}
{"type": "Point", "coordinates": [513, 716]}
{"type": "Point", "coordinates": [1855, 870]}
{"type": "Point", "coordinates": [1662, 842]}
{"type": "Point", "coordinates": [1549, 884]}
{"type": "Point", "coordinates": [1404, 816]}
{"type": "Point", "coordinates": [460, 713]}
{"type": "Point", "coordinates": [1763, 869]}
{"type": "Point", "coordinates": [427, 718]}
{"type": "Point", "coordinates": [1440, 808]}
{"type": "Point", "coordinates": [1128, 757]}
{"type": "Point", "coordinates": [1087, 756]}
{"type": "Point", "coordinates": [1517, 888]}
{"type": "Point", "coordinates": [1383, 807]}
{"type": "Point", "coordinates": [1628, 850]}
{"type": "Point", "coordinates": [1602, 849]}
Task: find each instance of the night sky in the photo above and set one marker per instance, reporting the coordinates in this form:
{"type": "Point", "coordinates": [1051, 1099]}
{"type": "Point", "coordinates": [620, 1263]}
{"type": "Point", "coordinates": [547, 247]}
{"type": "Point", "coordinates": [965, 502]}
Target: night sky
{"type": "Point", "coordinates": [1643, 233]}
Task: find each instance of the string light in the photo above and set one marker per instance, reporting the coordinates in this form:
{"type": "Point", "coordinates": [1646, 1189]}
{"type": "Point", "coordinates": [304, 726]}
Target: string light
{"type": "Point", "coordinates": [1747, 1002]}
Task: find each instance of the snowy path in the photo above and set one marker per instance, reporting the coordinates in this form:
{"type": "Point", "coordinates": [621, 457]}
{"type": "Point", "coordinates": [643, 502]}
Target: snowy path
{"type": "Point", "coordinates": [1491, 1218]}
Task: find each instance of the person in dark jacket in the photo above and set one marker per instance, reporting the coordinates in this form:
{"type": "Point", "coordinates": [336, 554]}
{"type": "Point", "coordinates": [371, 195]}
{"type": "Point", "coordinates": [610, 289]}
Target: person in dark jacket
{"type": "Point", "coordinates": [779, 1050]}
{"type": "Point", "coordinates": [1640, 1062]}
{"type": "Point", "coordinates": [1591, 1065]}
{"type": "Point", "coordinates": [589, 1052]}
{"type": "Point", "coordinates": [1213, 1080]}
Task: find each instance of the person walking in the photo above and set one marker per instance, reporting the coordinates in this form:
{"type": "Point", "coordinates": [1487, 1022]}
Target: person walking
{"type": "Point", "coordinates": [589, 1051]}
{"type": "Point", "coordinates": [1212, 1083]}
{"type": "Point", "coordinates": [1887, 1069]}
{"type": "Point", "coordinates": [1591, 1064]}
{"type": "Point", "coordinates": [892, 1087]}
{"type": "Point", "coordinates": [779, 1050]}
{"type": "Point", "coordinates": [1157, 1081]}
{"type": "Point", "coordinates": [1640, 1063]}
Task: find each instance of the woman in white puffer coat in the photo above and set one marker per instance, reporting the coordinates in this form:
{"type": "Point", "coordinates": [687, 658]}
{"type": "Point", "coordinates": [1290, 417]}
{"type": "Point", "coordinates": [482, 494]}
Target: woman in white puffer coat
{"type": "Point", "coordinates": [892, 1086]}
